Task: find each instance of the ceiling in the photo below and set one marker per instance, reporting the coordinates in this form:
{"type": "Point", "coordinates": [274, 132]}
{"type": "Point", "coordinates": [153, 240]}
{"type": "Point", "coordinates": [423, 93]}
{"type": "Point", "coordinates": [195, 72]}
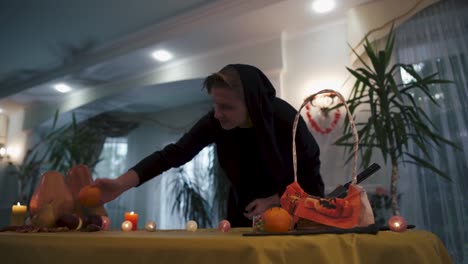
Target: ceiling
{"type": "Point", "coordinates": [93, 45]}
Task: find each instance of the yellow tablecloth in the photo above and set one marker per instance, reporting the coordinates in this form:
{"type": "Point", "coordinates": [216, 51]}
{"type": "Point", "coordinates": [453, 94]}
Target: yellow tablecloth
{"type": "Point", "coordinates": [211, 246]}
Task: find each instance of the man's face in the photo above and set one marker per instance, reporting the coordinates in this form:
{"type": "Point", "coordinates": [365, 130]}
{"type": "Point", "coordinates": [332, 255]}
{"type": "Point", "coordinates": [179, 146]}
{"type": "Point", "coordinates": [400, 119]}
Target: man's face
{"type": "Point", "coordinates": [229, 107]}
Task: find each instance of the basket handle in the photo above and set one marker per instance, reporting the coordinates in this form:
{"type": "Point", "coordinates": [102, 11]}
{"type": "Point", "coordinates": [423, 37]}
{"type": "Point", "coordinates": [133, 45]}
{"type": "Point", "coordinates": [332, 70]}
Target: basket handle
{"type": "Point", "coordinates": [351, 122]}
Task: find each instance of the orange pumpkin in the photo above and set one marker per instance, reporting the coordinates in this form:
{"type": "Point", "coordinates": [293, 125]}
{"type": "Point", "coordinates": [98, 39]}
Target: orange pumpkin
{"type": "Point", "coordinates": [51, 200]}
{"type": "Point", "coordinates": [276, 219]}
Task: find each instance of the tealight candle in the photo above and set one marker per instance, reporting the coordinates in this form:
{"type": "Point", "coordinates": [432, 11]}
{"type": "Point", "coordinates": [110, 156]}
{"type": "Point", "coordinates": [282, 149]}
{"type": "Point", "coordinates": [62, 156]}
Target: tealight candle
{"type": "Point", "coordinates": [257, 223]}
{"type": "Point", "coordinates": [150, 226]}
{"type": "Point", "coordinates": [191, 226]}
{"type": "Point", "coordinates": [132, 217]}
{"type": "Point", "coordinates": [397, 223]}
{"type": "Point", "coordinates": [18, 214]}
{"type": "Point", "coordinates": [127, 226]}
{"type": "Point", "coordinates": [105, 223]}
{"type": "Point", "coordinates": [224, 226]}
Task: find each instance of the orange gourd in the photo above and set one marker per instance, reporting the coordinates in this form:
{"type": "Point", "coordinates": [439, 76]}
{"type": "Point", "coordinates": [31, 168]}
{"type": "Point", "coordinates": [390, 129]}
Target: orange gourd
{"type": "Point", "coordinates": [276, 219]}
{"type": "Point", "coordinates": [51, 200]}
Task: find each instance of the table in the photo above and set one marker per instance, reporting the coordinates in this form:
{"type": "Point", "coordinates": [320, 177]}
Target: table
{"type": "Point", "coordinates": [212, 246]}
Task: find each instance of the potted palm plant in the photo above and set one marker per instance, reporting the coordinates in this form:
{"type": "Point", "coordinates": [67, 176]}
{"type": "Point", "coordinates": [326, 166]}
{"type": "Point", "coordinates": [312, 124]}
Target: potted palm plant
{"type": "Point", "coordinates": [395, 120]}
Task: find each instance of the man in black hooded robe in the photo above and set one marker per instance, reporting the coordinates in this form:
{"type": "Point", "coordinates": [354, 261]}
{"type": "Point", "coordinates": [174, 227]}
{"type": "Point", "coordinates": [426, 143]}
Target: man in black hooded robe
{"type": "Point", "coordinates": [252, 131]}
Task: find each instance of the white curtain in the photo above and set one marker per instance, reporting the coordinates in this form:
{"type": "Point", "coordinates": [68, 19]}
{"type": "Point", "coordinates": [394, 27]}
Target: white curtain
{"type": "Point", "coordinates": [153, 200]}
{"type": "Point", "coordinates": [436, 40]}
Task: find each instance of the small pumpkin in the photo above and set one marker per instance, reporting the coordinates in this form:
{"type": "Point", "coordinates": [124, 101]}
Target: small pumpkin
{"type": "Point", "coordinates": [276, 219]}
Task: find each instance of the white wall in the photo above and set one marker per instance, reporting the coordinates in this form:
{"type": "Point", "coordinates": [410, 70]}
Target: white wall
{"type": "Point", "coordinates": [314, 60]}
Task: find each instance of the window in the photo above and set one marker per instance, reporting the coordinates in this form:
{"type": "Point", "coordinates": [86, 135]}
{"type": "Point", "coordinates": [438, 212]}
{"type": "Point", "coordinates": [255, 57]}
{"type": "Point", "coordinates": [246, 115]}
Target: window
{"type": "Point", "coordinates": [113, 158]}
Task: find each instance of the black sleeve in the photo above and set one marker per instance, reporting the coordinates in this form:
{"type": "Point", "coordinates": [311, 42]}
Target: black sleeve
{"type": "Point", "coordinates": [179, 153]}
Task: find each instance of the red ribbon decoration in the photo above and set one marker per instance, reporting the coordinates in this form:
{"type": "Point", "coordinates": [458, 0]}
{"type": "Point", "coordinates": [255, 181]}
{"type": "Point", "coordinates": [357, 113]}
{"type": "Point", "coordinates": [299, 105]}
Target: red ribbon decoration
{"type": "Point", "coordinates": [317, 127]}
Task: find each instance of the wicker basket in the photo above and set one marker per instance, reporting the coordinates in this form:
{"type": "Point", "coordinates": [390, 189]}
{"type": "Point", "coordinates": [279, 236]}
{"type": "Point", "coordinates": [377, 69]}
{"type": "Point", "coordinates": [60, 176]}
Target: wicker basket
{"type": "Point", "coordinates": [307, 210]}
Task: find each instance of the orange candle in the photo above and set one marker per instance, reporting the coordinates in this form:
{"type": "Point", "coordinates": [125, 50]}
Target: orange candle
{"type": "Point", "coordinates": [132, 217]}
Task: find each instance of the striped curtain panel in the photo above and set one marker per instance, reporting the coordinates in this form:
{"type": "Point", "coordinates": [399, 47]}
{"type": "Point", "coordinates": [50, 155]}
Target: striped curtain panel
{"type": "Point", "coordinates": [436, 40]}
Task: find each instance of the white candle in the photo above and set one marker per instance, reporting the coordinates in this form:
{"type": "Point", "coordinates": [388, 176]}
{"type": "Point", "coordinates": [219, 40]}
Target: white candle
{"type": "Point", "coordinates": [18, 214]}
{"type": "Point", "coordinates": [191, 226]}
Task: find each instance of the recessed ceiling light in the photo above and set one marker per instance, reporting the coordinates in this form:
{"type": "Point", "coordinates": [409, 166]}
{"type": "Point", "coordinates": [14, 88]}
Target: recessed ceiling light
{"type": "Point", "coordinates": [323, 6]}
{"type": "Point", "coordinates": [63, 88]}
{"type": "Point", "coordinates": [162, 55]}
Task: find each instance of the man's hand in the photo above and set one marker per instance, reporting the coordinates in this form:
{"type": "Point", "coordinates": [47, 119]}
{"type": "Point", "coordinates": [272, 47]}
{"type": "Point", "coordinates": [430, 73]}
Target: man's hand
{"type": "Point", "coordinates": [260, 205]}
{"type": "Point", "coordinates": [112, 188]}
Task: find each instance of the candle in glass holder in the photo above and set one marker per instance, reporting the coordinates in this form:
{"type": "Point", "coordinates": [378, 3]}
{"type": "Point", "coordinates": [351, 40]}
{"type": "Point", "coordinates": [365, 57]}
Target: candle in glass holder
{"type": "Point", "coordinates": [397, 223]}
{"type": "Point", "coordinates": [150, 226]}
{"type": "Point", "coordinates": [132, 217]}
{"type": "Point", "coordinates": [18, 214]}
{"type": "Point", "coordinates": [224, 226]}
{"type": "Point", "coordinates": [127, 226]}
{"type": "Point", "coordinates": [105, 223]}
{"type": "Point", "coordinates": [191, 226]}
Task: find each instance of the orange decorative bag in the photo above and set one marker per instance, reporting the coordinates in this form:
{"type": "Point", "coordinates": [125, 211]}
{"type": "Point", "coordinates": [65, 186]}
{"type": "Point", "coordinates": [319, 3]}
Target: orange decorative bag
{"type": "Point", "coordinates": [315, 212]}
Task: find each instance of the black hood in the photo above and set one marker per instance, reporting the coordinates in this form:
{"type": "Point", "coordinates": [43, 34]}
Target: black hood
{"type": "Point", "coordinates": [260, 95]}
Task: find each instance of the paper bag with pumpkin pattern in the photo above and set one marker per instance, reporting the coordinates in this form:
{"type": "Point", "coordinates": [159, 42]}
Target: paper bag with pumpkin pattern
{"type": "Point", "coordinates": [352, 211]}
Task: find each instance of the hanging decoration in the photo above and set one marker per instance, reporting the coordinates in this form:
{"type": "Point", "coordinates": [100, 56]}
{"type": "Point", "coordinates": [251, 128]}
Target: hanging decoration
{"type": "Point", "coordinates": [323, 102]}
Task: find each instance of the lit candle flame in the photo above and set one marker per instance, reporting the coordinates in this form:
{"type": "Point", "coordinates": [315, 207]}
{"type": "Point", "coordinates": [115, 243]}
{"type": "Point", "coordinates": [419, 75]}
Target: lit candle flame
{"type": "Point", "coordinates": [18, 204]}
{"type": "Point", "coordinates": [132, 212]}
{"type": "Point", "coordinates": [397, 223]}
